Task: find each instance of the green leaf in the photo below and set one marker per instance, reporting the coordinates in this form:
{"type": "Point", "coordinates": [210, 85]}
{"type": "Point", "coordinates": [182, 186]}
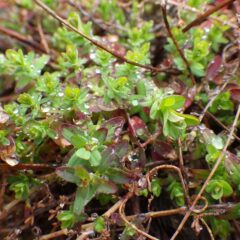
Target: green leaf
{"type": "Point", "coordinates": [83, 196]}
{"type": "Point", "coordinates": [78, 141]}
{"type": "Point", "coordinates": [67, 218]}
{"type": "Point", "coordinates": [174, 102]}
{"type": "Point", "coordinates": [99, 224]}
{"type": "Point", "coordinates": [189, 119]}
{"type": "Point", "coordinates": [83, 153]}
{"type": "Point", "coordinates": [219, 188]}
{"type": "Point", "coordinates": [95, 158]}
{"type": "Point", "coordinates": [70, 174]}
{"type": "Point", "coordinates": [174, 117]}
{"type": "Point", "coordinates": [156, 187]}
{"type": "Point", "coordinates": [217, 142]}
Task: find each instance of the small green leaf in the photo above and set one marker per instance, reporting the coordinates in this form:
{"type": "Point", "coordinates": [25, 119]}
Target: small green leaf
{"type": "Point", "coordinates": [67, 218]}
{"type": "Point", "coordinates": [95, 158]}
{"type": "Point", "coordinates": [189, 119]}
{"type": "Point", "coordinates": [83, 196]}
{"type": "Point", "coordinates": [99, 224]}
{"type": "Point", "coordinates": [174, 102]}
{"type": "Point", "coordinates": [156, 187]}
{"type": "Point", "coordinates": [83, 153]}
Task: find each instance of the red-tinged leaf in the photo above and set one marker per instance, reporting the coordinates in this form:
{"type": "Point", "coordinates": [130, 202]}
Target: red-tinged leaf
{"type": "Point", "coordinates": [234, 90]}
{"type": "Point", "coordinates": [4, 4]}
{"type": "Point", "coordinates": [231, 162]}
{"type": "Point", "coordinates": [214, 67]}
{"type": "Point", "coordinates": [218, 80]}
{"type": "Point", "coordinates": [79, 117]}
{"type": "Point", "coordinates": [101, 134]}
{"type": "Point", "coordinates": [163, 149]}
{"type": "Point", "coordinates": [105, 186]}
{"type": "Point", "coordinates": [146, 110]}
{"type": "Point", "coordinates": [68, 174]}
{"type": "Point", "coordinates": [115, 127]}
{"type": "Point", "coordinates": [237, 8]}
{"type": "Point", "coordinates": [112, 155]}
{"type": "Point", "coordinates": [3, 116]}
{"type": "Point", "coordinates": [113, 42]}
{"type": "Point", "coordinates": [167, 62]}
{"type": "Point", "coordinates": [179, 87]}
{"type": "Point", "coordinates": [138, 127]}
{"type": "Point", "coordinates": [120, 176]}
{"type": "Point", "coordinates": [189, 96]}
{"type": "Point", "coordinates": [7, 152]}
{"type": "Point", "coordinates": [206, 24]}
{"type": "Point", "coordinates": [235, 94]}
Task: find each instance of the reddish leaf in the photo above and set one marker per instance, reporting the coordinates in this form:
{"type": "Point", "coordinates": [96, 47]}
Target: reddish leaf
{"type": "Point", "coordinates": [190, 95]}
{"type": "Point", "coordinates": [163, 149]}
{"type": "Point", "coordinates": [146, 110]}
{"type": "Point", "coordinates": [214, 67]}
{"type": "Point", "coordinates": [138, 127]}
{"type": "Point", "coordinates": [235, 94]}
{"type": "Point", "coordinates": [7, 153]}
{"type": "Point", "coordinates": [234, 89]}
{"type": "Point", "coordinates": [115, 127]}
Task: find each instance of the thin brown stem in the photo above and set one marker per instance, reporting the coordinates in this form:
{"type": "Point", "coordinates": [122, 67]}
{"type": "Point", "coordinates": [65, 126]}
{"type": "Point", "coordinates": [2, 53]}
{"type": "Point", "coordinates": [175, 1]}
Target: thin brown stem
{"type": "Point", "coordinates": [205, 15]}
{"type": "Point", "coordinates": [42, 36]}
{"type": "Point", "coordinates": [219, 122]}
{"type": "Point", "coordinates": [195, 10]}
{"type": "Point", "coordinates": [183, 170]}
{"type": "Point", "coordinates": [164, 13]}
{"type": "Point", "coordinates": [124, 218]}
{"type": "Point", "coordinates": [26, 166]}
{"type": "Point", "coordinates": [208, 229]}
{"type": "Point", "coordinates": [209, 104]}
{"type": "Point", "coordinates": [167, 167]}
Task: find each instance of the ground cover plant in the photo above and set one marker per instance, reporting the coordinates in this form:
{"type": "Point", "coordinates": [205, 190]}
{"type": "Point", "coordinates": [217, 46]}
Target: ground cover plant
{"type": "Point", "coordinates": [119, 119]}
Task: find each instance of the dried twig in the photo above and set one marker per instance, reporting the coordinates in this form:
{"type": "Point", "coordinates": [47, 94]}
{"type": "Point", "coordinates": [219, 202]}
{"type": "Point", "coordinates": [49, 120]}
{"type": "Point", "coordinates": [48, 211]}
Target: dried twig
{"type": "Point", "coordinates": [54, 234]}
{"type": "Point", "coordinates": [208, 229]}
{"type": "Point", "coordinates": [42, 36]}
{"type": "Point", "coordinates": [168, 167]}
{"type": "Point", "coordinates": [215, 167]}
{"type": "Point", "coordinates": [11, 33]}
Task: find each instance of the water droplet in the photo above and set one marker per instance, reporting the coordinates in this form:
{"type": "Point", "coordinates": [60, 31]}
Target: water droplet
{"type": "Point", "coordinates": [142, 182]}
{"type": "Point", "coordinates": [45, 109]}
{"type": "Point", "coordinates": [135, 102]}
{"type": "Point", "coordinates": [207, 30]}
{"type": "Point", "coordinates": [11, 161]}
{"type": "Point", "coordinates": [94, 215]}
{"type": "Point", "coordinates": [92, 55]}
{"type": "Point", "coordinates": [86, 106]}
